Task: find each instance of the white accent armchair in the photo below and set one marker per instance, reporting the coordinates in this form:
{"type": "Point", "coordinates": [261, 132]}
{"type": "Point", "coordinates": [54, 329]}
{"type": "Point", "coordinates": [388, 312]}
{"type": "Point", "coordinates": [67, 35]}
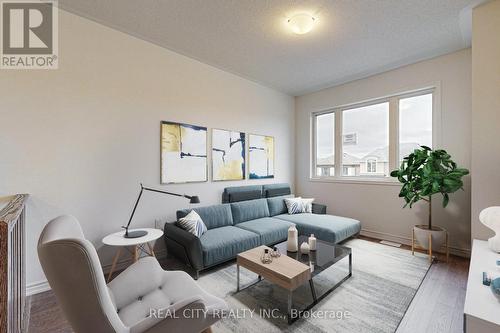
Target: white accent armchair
{"type": "Point", "coordinates": [143, 298]}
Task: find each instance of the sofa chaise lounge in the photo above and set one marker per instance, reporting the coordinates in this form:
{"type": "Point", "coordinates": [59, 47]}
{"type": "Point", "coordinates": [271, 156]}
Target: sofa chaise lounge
{"type": "Point", "coordinates": [250, 218]}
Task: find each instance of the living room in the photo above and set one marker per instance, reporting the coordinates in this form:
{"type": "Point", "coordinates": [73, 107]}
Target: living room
{"type": "Point", "coordinates": [173, 143]}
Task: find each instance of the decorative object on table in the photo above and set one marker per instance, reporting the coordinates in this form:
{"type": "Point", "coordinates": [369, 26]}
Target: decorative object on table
{"type": "Point", "coordinates": [293, 239]}
{"type": "Point", "coordinates": [275, 252]}
{"type": "Point", "coordinates": [140, 233]}
{"type": "Point", "coordinates": [490, 217]}
{"type": "Point", "coordinates": [261, 156]}
{"type": "Point", "coordinates": [193, 224]}
{"type": "Point", "coordinates": [488, 277]}
{"type": "Point", "coordinates": [423, 173]}
{"type": "Point", "coordinates": [312, 242]}
{"type": "Point", "coordinates": [266, 257]}
{"type": "Point", "coordinates": [183, 153]}
{"type": "Point", "coordinates": [495, 287]}
{"type": "Point", "coordinates": [228, 155]}
{"type": "Point", "coordinates": [304, 248]}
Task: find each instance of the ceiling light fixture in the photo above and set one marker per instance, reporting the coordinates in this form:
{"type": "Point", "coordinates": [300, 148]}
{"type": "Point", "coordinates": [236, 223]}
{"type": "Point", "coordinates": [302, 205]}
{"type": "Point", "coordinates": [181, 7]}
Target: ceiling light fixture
{"type": "Point", "coordinates": [301, 23]}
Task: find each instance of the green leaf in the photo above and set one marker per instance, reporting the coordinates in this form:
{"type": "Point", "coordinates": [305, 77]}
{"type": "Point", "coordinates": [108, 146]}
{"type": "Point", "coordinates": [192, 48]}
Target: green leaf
{"type": "Point", "coordinates": [446, 200]}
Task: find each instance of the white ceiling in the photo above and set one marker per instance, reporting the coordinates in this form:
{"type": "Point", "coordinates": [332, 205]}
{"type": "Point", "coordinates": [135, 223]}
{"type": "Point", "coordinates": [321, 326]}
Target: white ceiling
{"type": "Point", "coordinates": [352, 38]}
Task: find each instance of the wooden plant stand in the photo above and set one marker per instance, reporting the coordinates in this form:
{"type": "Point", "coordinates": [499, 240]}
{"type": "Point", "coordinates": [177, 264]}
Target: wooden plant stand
{"type": "Point", "coordinates": [414, 246]}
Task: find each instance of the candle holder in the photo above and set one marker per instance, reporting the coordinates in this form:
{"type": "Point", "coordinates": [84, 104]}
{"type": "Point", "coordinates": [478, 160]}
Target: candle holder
{"type": "Point", "coordinates": [266, 257]}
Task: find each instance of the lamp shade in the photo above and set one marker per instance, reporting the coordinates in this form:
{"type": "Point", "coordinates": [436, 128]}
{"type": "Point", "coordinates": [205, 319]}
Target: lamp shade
{"type": "Point", "coordinates": [194, 199]}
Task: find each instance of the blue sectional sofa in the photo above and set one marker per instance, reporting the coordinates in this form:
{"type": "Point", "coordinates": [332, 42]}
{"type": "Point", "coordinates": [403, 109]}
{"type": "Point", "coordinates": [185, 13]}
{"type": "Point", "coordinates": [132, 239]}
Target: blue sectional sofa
{"type": "Point", "coordinates": [238, 226]}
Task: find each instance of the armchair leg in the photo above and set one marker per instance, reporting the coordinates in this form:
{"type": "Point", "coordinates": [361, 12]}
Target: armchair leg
{"type": "Point", "coordinates": [196, 274]}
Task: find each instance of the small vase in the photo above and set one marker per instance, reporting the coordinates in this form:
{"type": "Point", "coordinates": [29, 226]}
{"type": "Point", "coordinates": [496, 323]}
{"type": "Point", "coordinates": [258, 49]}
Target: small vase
{"type": "Point", "coordinates": [292, 244]}
{"type": "Point", "coordinates": [312, 243]}
{"type": "Point", "coordinates": [304, 248]}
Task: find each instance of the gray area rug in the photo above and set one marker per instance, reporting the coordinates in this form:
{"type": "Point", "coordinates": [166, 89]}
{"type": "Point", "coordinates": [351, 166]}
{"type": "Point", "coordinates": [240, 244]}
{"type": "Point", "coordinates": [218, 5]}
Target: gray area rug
{"type": "Point", "coordinates": [374, 299]}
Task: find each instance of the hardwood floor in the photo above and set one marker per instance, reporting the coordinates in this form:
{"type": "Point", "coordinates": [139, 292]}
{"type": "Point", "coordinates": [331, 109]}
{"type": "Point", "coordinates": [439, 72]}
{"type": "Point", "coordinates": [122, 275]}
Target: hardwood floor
{"type": "Point", "coordinates": [437, 306]}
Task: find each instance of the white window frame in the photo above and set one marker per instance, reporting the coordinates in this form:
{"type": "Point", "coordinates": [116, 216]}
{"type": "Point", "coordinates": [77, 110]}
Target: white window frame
{"type": "Point", "coordinates": [370, 161]}
{"type": "Point", "coordinates": [393, 101]}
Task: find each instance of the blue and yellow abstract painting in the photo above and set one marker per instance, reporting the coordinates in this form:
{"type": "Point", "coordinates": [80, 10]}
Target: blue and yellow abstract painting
{"type": "Point", "coordinates": [228, 155]}
{"type": "Point", "coordinates": [261, 156]}
{"type": "Point", "coordinates": [183, 153]}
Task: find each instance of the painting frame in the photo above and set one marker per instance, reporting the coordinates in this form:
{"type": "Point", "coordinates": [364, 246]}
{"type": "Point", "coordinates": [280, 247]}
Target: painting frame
{"type": "Point", "coordinates": [243, 151]}
{"type": "Point", "coordinates": [249, 140]}
{"type": "Point", "coordinates": [164, 181]}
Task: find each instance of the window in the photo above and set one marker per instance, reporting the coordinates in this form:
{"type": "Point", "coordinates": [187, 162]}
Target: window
{"type": "Point", "coordinates": [373, 137]}
{"type": "Point", "coordinates": [415, 123]}
{"type": "Point", "coordinates": [371, 166]}
{"type": "Point", "coordinates": [325, 145]}
{"type": "Point", "coordinates": [370, 126]}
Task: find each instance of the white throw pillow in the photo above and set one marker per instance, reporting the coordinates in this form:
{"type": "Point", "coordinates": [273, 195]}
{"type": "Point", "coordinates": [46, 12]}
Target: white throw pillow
{"type": "Point", "coordinates": [193, 224]}
{"type": "Point", "coordinates": [308, 204]}
{"type": "Point", "coordinates": [294, 205]}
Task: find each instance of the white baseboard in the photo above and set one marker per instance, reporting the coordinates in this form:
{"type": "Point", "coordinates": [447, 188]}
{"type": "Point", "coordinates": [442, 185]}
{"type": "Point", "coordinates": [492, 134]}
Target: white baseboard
{"type": "Point", "coordinates": [37, 287]}
{"type": "Point", "coordinates": [43, 285]}
{"type": "Point", "coordinates": [407, 241]}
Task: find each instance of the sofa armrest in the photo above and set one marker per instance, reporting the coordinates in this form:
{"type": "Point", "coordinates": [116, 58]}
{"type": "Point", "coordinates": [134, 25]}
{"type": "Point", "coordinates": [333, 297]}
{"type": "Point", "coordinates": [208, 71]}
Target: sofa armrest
{"type": "Point", "coordinates": [183, 245]}
{"type": "Point", "coordinates": [318, 208]}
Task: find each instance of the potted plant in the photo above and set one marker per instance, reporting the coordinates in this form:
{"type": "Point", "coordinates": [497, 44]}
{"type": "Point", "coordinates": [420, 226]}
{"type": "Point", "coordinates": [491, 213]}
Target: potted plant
{"type": "Point", "coordinates": [424, 173]}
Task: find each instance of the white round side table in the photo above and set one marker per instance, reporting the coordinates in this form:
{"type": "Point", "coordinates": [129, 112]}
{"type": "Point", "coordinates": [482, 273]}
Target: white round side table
{"type": "Point", "coordinates": [138, 245]}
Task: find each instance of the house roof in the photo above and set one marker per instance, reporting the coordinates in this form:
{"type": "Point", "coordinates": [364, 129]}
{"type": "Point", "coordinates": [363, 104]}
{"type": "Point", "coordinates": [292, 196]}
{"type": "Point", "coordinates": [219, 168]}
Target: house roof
{"type": "Point", "coordinates": [346, 159]}
{"type": "Point", "coordinates": [381, 154]}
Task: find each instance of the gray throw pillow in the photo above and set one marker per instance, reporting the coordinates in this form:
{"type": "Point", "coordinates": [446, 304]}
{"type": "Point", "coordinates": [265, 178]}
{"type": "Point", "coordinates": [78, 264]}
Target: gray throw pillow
{"type": "Point", "coordinates": [193, 224]}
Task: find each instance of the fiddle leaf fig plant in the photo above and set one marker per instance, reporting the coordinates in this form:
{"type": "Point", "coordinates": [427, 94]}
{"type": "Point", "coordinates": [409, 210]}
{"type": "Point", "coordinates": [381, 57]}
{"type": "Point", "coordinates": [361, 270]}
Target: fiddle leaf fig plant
{"type": "Point", "coordinates": [426, 172]}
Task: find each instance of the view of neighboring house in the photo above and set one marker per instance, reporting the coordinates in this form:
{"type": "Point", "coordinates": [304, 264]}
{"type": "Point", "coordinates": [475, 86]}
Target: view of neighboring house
{"type": "Point", "coordinates": [373, 164]}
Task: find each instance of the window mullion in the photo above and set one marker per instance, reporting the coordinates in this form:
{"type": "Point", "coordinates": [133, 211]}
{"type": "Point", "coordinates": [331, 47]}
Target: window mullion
{"type": "Point", "coordinates": [338, 143]}
{"type": "Point", "coordinates": [393, 133]}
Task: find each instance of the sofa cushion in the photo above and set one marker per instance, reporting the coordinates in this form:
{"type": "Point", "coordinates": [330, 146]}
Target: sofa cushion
{"type": "Point", "coordinates": [213, 216]}
{"type": "Point", "coordinates": [242, 196]}
{"type": "Point", "coordinates": [275, 190]}
{"type": "Point", "coordinates": [224, 243]}
{"type": "Point", "coordinates": [270, 230]}
{"type": "Point", "coordinates": [232, 190]}
{"type": "Point", "coordinates": [329, 228]}
{"type": "Point", "coordinates": [249, 210]}
{"type": "Point", "coordinates": [277, 205]}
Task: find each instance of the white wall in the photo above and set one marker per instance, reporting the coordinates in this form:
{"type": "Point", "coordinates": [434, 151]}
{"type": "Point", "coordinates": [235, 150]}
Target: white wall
{"type": "Point", "coordinates": [486, 113]}
{"type": "Point", "coordinates": [378, 206]}
{"type": "Point", "coordinates": [80, 139]}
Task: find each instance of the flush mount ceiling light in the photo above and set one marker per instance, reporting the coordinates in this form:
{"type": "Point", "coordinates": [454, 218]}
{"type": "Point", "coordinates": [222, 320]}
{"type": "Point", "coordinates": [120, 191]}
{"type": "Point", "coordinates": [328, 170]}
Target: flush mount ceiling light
{"type": "Point", "coordinates": [301, 23]}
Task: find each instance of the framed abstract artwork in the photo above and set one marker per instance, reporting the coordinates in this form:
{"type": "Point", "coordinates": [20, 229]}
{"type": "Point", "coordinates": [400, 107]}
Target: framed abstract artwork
{"type": "Point", "coordinates": [260, 156]}
{"type": "Point", "coordinates": [183, 153]}
{"type": "Point", "coordinates": [228, 155]}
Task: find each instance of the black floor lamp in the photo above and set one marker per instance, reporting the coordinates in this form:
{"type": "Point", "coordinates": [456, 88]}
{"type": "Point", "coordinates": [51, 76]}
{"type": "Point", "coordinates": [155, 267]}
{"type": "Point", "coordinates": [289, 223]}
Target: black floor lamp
{"type": "Point", "coordinates": [139, 233]}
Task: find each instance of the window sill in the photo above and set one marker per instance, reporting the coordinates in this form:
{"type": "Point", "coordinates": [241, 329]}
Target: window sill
{"type": "Point", "coordinates": [350, 180]}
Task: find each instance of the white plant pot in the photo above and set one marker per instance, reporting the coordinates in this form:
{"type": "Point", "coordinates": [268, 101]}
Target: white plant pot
{"type": "Point", "coordinates": [438, 235]}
